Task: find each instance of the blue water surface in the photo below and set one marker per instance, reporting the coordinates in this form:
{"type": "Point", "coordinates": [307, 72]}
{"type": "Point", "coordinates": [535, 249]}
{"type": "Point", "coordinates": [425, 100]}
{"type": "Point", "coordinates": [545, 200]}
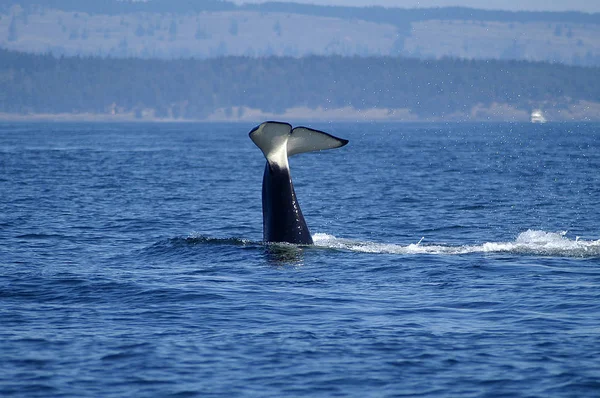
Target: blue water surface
{"type": "Point", "coordinates": [449, 260]}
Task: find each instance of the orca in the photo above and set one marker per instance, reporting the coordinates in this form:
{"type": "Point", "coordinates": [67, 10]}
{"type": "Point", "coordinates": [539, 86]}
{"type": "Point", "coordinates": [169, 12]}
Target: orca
{"type": "Point", "coordinates": [282, 218]}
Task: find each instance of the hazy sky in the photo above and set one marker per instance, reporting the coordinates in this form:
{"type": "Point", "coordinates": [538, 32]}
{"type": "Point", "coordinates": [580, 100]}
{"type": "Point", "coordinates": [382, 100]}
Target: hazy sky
{"type": "Point", "coordinates": [535, 5]}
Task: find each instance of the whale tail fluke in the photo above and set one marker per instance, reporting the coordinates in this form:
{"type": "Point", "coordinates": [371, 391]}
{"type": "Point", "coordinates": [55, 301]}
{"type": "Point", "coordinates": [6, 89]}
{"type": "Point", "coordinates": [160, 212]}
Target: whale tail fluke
{"type": "Point", "coordinates": [278, 141]}
{"type": "Point", "coordinates": [303, 139]}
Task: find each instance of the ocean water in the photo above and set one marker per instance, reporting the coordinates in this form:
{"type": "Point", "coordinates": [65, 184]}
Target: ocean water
{"type": "Point", "coordinates": [449, 260]}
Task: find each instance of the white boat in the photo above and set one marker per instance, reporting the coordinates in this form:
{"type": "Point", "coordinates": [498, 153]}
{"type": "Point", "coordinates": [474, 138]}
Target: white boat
{"type": "Point", "coordinates": [537, 116]}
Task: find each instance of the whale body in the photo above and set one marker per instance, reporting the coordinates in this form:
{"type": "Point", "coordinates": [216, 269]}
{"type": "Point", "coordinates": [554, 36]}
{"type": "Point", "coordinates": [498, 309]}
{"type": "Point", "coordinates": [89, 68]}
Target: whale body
{"type": "Point", "coordinates": [282, 218]}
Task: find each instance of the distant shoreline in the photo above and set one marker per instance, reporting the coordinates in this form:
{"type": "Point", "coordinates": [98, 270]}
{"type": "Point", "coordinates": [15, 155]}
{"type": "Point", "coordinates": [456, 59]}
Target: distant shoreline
{"type": "Point", "coordinates": [580, 112]}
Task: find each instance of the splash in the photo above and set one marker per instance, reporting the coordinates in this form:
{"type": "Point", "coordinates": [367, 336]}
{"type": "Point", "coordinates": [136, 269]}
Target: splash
{"type": "Point", "coordinates": [530, 242]}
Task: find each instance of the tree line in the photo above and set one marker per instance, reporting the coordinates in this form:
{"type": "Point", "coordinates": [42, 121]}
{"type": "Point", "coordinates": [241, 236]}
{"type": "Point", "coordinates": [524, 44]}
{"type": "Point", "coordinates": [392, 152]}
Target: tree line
{"type": "Point", "coordinates": [191, 88]}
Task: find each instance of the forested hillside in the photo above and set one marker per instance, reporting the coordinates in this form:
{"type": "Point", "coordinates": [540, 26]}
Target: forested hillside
{"type": "Point", "coordinates": [239, 87]}
{"type": "Point", "coordinates": [206, 29]}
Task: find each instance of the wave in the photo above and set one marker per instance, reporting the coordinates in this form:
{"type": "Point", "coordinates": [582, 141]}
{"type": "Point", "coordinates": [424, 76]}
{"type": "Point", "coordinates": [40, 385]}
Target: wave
{"type": "Point", "coordinates": [530, 242]}
{"type": "Point", "coordinates": [172, 246]}
{"type": "Point", "coordinates": [197, 239]}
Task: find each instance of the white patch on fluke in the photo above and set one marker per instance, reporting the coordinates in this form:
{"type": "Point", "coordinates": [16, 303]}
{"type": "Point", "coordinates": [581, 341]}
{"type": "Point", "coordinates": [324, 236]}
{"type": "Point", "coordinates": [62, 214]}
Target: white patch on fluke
{"type": "Point", "coordinates": [531, 242]}
{"type": "Point", "coordinates": [272, 138]}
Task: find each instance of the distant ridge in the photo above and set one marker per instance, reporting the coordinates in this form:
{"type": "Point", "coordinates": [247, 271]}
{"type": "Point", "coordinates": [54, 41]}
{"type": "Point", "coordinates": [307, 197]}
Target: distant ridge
{"type": "Point", "coordinates": [112, 7]}
{"type": "Point", "coordinates": [396, 15]}
{"type": "Point", "coordinates": [379, 14]}
{"type": "Point", "coordinates": [206, 29]}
